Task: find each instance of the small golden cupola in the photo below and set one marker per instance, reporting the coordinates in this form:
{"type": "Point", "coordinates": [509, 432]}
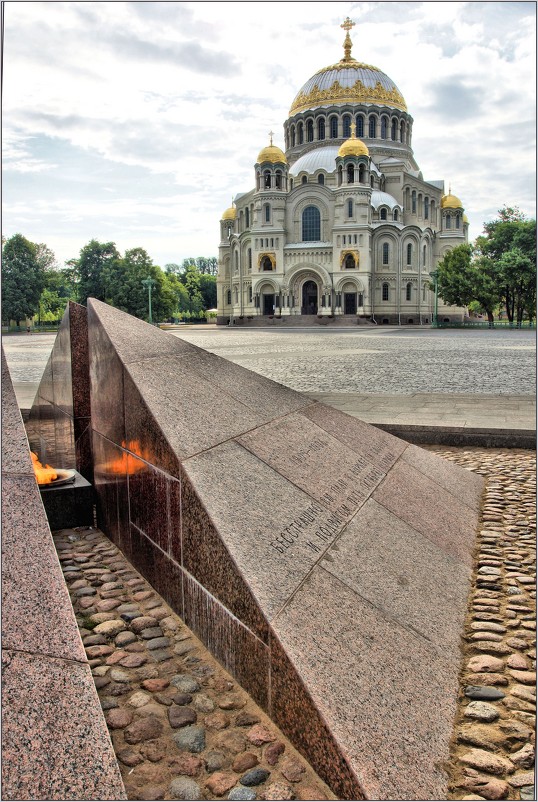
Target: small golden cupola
{"type": "Point", "coordinates": [271, 154]}
{"type": "Point", "coordinates": [353, 146]}
{"type": "Point", "coordinates": [229, 214]}
{"type": "Point", "coordinates": [271, 168]}
{"type": "Point", "coordinates": [450, 201]}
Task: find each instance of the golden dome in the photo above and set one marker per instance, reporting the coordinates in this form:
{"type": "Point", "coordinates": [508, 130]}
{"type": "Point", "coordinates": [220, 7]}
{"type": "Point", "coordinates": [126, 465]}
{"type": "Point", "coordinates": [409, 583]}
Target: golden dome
{"type": "Point", "coordinates": [229, 214]}
{"type": "Point", "coordinates": [465, 218]}
{"type": "Point", "coordinates": [271, 154]}
{"type": "Point", "coordinates": [451, 202]}
{"type": "Point", "coordinates": [353, 146]}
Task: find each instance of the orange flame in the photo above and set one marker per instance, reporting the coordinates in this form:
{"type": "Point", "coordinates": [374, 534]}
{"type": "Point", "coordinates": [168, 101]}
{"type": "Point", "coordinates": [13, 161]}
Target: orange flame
{"type": "Point", "coordinates": [44, 475]}
{"type": "Point", "coordinates": [126, 463]}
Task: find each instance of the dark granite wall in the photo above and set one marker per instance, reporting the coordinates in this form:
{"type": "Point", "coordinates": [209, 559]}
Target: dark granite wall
{"type": "Point", "coordinates": [59, 426]}
{"type": "Point", "coordinates": [324, 562]}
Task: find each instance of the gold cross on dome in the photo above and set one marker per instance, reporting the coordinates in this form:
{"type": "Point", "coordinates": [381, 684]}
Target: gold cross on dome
{"type": "Point", "coordinates": [271, 135]}
{"type": "Point", "coordinates": [347, 25]}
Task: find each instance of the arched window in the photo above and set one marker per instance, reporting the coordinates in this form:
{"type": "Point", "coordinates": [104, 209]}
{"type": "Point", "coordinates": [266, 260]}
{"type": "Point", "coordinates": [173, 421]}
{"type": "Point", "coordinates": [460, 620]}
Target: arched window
{"type": "Point", "coordinates": [457, 221]}
{"type": "Point", "coordinates": [393, 130]}
{"type": "Point", "coordinates": [267, 212]}
{"type": "Point", "coordinates": [321, 178]}
{"type": "Point", "coordinates": [372, 181]}
{"type": "Point", "coordinates": [371, 127]}
{"type": "Point", "coordinates": [321, 128]}
{"type": "Point", "coordinates": [291, 183]}
{"type": "Point", "coordinates": [402, 131]}
{"type": "Point", "coordinates": [267, 179]}
{"type": "Point", "coordinates": [300, 135]}
{"type": "Point", "coordinates": [359, 120]}
{"type": "Point", "coordinates": [426, 208]}
{"type": "Point", "coordinates": [333, 122]}
{"type": "Point", "coordinates": [228, 296]}
{"type": "Point", "coordinates": [414, 202]}
{"type": "Point", "coordinates": [310, 131]}
{"type": "Point", "coordinates": [278, 179]}
{"type": "Point", "coordinates": [311, 224]}
{"type": "Point", "coordinates": [350, 208]}
{"type": "Point", "coordinates": [395, 214]}
{"type": "Point", "coordinates": [362, 173]}
{"type": "Point", "coordinates": [385, 253]}
{"type": "Point", "coordinates": [346, 122]}
{"type": "Point", "coordinates": [247, 217]}
{"type": "Point", "coordinates": [448, 223]}
{"type": "Point", "coordinates": [249, 256]}
{"type": "Point", "coordinates": [349, 262]}
{"type": "Point", "coordinates": [350, 173]}
{"type": "Point", "coordinates": [424, 293]}
{"type": "Point", "coordinates": [424, 256]}
{"type": "Point", "coordinates": [293, 137]}
{"type": "Point", "coordinates": [340, 175]}
{"type": "Point", "coordinates": [266, 263]}
{"type": "Point", "coordinates": [408, 291]}
{"type": "Point", "coordinates": [385, 292]}
{"type": "Point", "coordinates": [409, 254]}
{"type": "Point", "coordinates": [383, 215]}
{"type": "Point", "coordinates": [304, 179]}
{"type": "Point", "coordinates": [384, 122]}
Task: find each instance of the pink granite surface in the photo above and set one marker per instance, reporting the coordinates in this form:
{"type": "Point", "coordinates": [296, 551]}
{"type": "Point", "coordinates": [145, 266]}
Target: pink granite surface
{"type": "Point", "coordinates": [325, 561]}
{"type": "Point", "coordinates": [55, 743]}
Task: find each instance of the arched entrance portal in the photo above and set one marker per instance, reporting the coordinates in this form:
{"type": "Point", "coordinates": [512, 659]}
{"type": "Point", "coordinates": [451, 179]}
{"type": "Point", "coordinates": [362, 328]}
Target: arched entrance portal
{"type": "Point", "coordinates": [309, 304]}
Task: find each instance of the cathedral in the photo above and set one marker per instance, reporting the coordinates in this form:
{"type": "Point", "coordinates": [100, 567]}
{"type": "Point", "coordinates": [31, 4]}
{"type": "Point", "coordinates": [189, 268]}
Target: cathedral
{"type": "Point", "coordinates": [342, 224]}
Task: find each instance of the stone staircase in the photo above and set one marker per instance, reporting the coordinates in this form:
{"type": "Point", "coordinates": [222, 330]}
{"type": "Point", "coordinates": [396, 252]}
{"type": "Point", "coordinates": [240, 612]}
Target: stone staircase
{"type": "Point", "coordinates": [294, 321]}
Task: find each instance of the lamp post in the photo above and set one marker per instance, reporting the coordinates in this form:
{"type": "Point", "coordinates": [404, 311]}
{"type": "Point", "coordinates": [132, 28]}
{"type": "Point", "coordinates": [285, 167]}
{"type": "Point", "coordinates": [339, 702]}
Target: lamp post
{"type": "Point", "coordinates": [149, 283]}
{"type": "Point", "coordinates": [435, 275]}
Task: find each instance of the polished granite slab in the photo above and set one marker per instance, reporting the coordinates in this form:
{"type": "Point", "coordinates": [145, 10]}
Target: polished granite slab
{"type": "Point", "coordinates": [326, 562]}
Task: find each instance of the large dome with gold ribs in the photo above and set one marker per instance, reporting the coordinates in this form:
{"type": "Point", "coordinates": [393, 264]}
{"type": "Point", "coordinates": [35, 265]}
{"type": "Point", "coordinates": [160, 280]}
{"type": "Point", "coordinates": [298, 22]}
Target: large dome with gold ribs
{"type": "Point", "coordinates": [349, 81]}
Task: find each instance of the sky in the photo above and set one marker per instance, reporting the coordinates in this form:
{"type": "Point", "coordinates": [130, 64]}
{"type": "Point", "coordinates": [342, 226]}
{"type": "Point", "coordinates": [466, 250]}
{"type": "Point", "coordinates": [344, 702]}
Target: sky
{"type": "Point", "coordinates": [137, 123]}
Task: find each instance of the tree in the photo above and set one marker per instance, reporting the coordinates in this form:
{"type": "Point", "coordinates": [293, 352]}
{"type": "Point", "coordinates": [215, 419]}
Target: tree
{"type": "Point", "coordinates": [460, 280]}
{"type": "Point", "coordinates": [125, 290]}
{"type": "Point", "coordinates": [22, 279]}
{"type": "Point", "coordinates": [191, 281]}
{"type": "Point", "coordinates": [208, 290]}
{"type": "Point", "coordinates": [92, 268]}
{"type": "Point", "coordinates": [59, 288]}
{"type": "Point", "coordinates": [508, 248]}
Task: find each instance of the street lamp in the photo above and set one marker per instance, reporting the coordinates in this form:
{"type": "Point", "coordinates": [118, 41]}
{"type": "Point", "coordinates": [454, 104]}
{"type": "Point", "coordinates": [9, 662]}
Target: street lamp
{"type": "Point", "coordinates": [149, 283]}
{"type": "Point", "coordinates": [435, 275]}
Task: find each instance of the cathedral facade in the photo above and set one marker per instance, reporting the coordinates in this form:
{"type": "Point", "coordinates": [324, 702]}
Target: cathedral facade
{"type": "Point", "coordinates": [341, 223]}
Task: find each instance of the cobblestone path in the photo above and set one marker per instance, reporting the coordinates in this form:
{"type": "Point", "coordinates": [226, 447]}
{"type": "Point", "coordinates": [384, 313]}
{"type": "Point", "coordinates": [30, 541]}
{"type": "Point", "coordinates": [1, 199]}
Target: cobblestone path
{"type": "Point", "coordinates": [183, 729]}
{"type": "Point", "coordinates": [494, 744]}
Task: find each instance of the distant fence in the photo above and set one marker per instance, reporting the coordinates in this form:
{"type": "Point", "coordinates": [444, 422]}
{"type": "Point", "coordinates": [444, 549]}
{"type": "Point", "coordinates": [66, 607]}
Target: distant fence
{"type": "Point", "coordinates": [483, 324]}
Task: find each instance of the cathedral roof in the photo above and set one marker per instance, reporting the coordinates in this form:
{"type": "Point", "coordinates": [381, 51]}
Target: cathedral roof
{"type": "Point", "coordinates": [451, 202]}
{"type": "Point", "coordinates": [323, 158]}
{"type": "Point", "coordinates": [271, 154]}
{"type": "Point", "coordinates": [229, 214]}
{"type": "Point", "coordinates": [383, 199]}
{"type": "Point", "coordinates": [348, 81]}
{"type": "Point", "coordinates": [353, 146]}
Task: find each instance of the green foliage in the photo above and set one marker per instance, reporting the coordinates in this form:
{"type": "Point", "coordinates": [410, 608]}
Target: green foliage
{"type": "Point", "coordinates": [59, 289]}
{"type": "Point", "coordinates": [124, 288]}
{"type": "Point", "coordinates": [95, 263]}
{"type": "Point", "coordinates": [499, 270]}
{"type": "Point", "coordinates": [22, 278]}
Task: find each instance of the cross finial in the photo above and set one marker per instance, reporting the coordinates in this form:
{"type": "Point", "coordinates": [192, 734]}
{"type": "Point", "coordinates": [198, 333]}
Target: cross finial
{"type": "Point", "coordinates": [347, 25]}
{"type": "Point", "coordinates": [271, 135]}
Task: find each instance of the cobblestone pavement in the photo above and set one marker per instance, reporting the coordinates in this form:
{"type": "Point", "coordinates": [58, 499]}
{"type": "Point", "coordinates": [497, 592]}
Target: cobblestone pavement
{"type": "Point", "coordinates": [386, 360]}
{"type": "Point", "coordinates": [183, 729]}
{"type": "Point", "coordinates": [392, 361]}
{"type": "Point", "coordinates": [493, 749]}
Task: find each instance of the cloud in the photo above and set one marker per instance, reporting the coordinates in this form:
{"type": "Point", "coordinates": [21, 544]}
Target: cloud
{"type": "Point", "coordinates": [452, 99]}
